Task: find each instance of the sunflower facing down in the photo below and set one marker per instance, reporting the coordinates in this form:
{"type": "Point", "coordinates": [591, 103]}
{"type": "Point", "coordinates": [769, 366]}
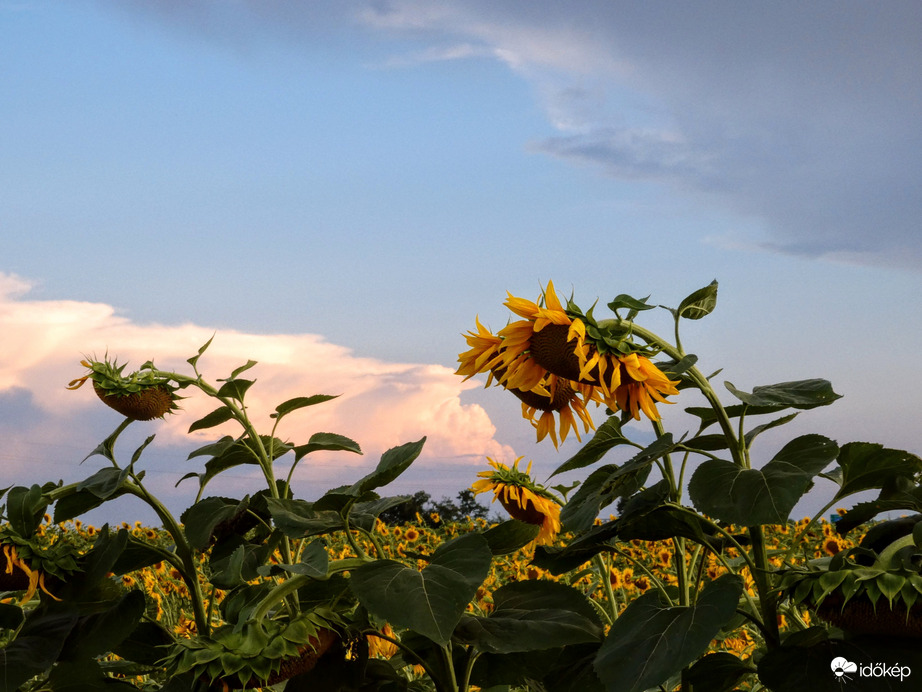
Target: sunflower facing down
{"type": "Point", "coordinates": [554, 364]}
{"type": "Point", "coordinates": [524, 499]}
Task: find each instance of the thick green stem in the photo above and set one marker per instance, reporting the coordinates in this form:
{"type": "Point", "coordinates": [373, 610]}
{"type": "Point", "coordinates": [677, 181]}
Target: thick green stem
{"type": "Point", "coordinates": [700, 381]}
{"type": "Point", "coordinates": [604, 576]}
{"type": "Point", "coordinates": [263, 456]}
{"type": "Point", "coordinates": [768, 600]}
{"type": "Point", "coordinates": [189, 569]}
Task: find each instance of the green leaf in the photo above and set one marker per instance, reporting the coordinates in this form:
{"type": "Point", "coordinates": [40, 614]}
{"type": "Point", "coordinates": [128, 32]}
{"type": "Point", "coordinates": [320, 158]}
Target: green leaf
{"type": "Point", "coordinates": [78, 503]}
{"type": "Point", "coordinates": [724, 491]}
{"type": "Point", "coordinates": [235, 389]}
{"type": "Point", "coordinates": [865, 511]}
{"type": "Point", "coordinates": [314, 562]}
{"type": "Point", "coordinates": [607, 436]}
{"type": "Point", "coordinates": [97, 633]}
{"type": "Point", "coordinates": [430, 602]}
{"type": "Point", "coordinates": [220, 415]}
{"type": "Point", "coordinates": [242, 451]}
{"type": "Point", "coordinates": [328, 442]}
{"type": "Point", "coordinates": [11, 616]}
{"type": "Point", "coordinates": [287, 407]}
{"type": "Point", "coordinates": [867, 465]}
{"type": "Point", "coordinates": [603, 486]}
{"type": "Point", "coordinates": [801, 394]}
{"type": "Point", "coordinates": [105, 482]}
{"type": "Point", "coordinates": [364, 514]}
{"type": "Point", "coordinates": [249, 364]}
{"type": "Point", "coordinates": [296, 518]}
{"type": "Point", "coordinates": [25, 508]}
{"type": "Point", "coordinates": [36, 646]}
{"type": "Point", "coordinates": [507, 537]}
{"type": "Point", "coordinates": [194, 359]}
{"type": "Point", "coordinates": [699, 303]}
{"type": "Point", "coordinates": [651, 641]}
{"type": "Point", "coordinates": [202, 517]}
{"type": "Point", "coordinates": [759, 429]}
{"type": "Point", "coordinates": [98, 563]}
{"type": "Point", "coordinates": [635, 305]}
{"type": "Point", "coordinates": [393, 462]}
{"type": "Point", "coordinates": [145, 644]}
{"type": "Point", "coordinates": [532, 615]}
{"type": "Point", "coordinates": [138, 554]}
{"type": "Point", "coordinates": [213, 449]}
{"type": "Point", "coordinates": [717, 672]}
{"type": "Point", "coordinates": [663, 523]}
{"type": "Point", "coordinates": [707, 443]}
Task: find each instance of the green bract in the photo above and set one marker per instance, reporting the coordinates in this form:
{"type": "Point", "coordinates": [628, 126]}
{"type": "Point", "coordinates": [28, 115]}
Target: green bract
{"type": "Point", "coordinates": [861, 590]}
{"type": "Point", "coordinates": [258, 653]}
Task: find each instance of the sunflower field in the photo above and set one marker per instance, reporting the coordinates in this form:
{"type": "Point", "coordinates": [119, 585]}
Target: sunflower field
{"type": "Point", "coordinates": [668, 565]}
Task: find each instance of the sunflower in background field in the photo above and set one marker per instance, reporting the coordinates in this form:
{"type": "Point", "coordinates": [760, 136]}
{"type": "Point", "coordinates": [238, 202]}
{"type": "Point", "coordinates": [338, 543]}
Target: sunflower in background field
{"type": "Point", "coordinates": [522, 497]}
{"type": "Point", "coordinates": [557, 359]}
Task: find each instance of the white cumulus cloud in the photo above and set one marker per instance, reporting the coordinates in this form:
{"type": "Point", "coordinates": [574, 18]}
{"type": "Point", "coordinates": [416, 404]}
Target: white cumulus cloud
{"type": "Point", "coordinates": [379, 404]}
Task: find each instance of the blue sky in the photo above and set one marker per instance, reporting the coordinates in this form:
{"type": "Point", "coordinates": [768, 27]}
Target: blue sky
{"type": "Point", "coordinates": [336, 189]}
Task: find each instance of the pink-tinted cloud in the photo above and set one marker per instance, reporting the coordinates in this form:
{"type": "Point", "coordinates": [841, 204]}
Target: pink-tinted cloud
{"type": "Point", "coordinates": [380, 404]}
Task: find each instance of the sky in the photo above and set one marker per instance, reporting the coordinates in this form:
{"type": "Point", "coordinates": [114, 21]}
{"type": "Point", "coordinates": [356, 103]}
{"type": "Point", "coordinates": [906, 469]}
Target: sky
{"type": "Point", "coordinates": [337, 189]}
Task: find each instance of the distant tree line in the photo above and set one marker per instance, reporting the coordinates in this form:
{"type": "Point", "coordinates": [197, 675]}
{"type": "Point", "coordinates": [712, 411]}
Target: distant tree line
{"type": "Point", "coordinates": [446, 509]}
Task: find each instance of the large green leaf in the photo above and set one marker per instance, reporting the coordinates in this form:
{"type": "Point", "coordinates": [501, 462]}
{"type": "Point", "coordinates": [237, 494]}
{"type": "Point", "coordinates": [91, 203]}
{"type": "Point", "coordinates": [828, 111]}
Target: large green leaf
{"type": "Point", "coordinates": [603, 486]}
{"type": "Point", "coordinates": [560, 559]}
{"type": "Point", "coordinates": [800, 394]}
{"type": "Point", "coordinates": [393, 462]}
{"type": "Point", "coordinates": [718, 672]}
{"type": "Point", "coordinates": [748, 497]}
{"type": "Point", "coordinates": [530, 615]}
{"type": "Point", "coordinates": [25, 508]}
{"type": "Point", "coordinates": [887, 502]}
{"type": "Point", "coordinates": [652, 641]}
{"type": "Point", "coordinates": [607, 436]}
{"type": "Point", "coordinates": [431, 601]}
{"type": "Point", "coordinates": [105, 482]}
{"type": "Point", "coordinates": [201, 518]}
{"type": "Point", "coordinates": [867, 465]}
{"type": "Point", "coordinates": [509, 536]}
{"type": "Point", "coordinates": [297, 518]}
{"type": "Point", "coordinates": [36, 647]}
{"type": "Point", "coordinates": [97, 633]}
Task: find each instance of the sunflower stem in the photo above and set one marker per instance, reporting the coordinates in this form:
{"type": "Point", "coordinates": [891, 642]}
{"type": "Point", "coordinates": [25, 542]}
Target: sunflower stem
{"type": "Point", "coordinates": [605, 577]}
{"type": "Point", "coordinates": [189, 570]}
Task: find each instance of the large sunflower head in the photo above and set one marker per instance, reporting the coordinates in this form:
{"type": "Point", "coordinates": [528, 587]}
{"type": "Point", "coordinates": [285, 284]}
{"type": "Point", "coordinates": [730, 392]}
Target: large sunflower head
{"type": "Point", "coordinates": [557, 359]}
{"type": "Point", "coordinates": [141, 395]}
{"type": "Point", "coordinates": [522, 497]}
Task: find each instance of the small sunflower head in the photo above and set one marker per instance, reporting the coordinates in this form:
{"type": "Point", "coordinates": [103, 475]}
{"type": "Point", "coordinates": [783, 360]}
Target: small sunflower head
{"type": "Point", "coordinates": [141, 395]}
{"type": "Point", "coordinates": [522, 497]}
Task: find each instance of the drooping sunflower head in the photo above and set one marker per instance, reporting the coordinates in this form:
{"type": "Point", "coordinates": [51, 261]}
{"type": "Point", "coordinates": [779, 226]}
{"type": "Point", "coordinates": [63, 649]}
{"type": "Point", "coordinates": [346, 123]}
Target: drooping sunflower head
{"type": "Point", "coordinates": [522, 497]}
{"type": "Point", "coordinates": [557, 359]}
{"type": "Point", "coordinates": [141, 395]}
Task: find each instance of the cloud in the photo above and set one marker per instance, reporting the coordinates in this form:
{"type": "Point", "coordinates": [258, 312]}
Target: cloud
{"type": "Point", "coordinates": [380, 404]}
{"type": "Point", "coordinates": [802, 116]}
